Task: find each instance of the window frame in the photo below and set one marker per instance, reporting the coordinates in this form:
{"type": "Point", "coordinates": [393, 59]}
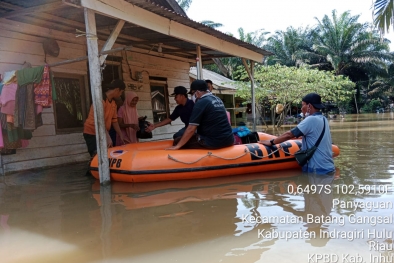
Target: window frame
{"type": "Point", "coordinates": [84, 101]}
{"type": "Point", "coordinates": [159, 81]}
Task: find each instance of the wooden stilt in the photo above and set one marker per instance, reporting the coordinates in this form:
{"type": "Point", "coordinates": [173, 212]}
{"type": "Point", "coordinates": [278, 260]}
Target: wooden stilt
{"type": "Point", "coordinates": [106, 220]}
{"type": "Point", "coordinates": [95, 85]}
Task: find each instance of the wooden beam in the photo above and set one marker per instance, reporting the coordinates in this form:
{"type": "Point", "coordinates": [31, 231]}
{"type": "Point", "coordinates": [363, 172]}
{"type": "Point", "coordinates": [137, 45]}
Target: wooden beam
{"type": "Point", "coordinates": [102, 53]}
{"type": "Point", "coordinates": [199, 63]}
{"type": "Point", "coordinates": [251, 77]}
{"type": "Point", "coordinates": [34, 9]}
{"type": "Point", "coordinates": [95, 85]}
{"type": "Point", "coordinates": [139, 16]}
{"type": "Point", "coordinates": [221, 67]}
{"type": "Point", "coordinates": [111, 39]}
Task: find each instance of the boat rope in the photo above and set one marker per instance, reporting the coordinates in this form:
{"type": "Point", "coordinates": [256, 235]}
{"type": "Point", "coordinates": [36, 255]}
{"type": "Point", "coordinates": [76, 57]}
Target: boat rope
{"type": "Point", "coordinates": [246, 151]}
{"type": "Point", "coordinates": [286, 152]}
{"type": "Point", "coordinates": [208, 155]}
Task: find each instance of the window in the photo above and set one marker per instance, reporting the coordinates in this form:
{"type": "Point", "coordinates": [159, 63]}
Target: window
{"type": "Point", "coordinates": [159, 99]}
{"type": "Point", "coordinates": [69, 108]}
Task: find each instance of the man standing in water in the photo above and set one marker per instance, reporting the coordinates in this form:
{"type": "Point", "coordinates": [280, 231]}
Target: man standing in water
{"type": "Point", "coordinates": [310, 129]}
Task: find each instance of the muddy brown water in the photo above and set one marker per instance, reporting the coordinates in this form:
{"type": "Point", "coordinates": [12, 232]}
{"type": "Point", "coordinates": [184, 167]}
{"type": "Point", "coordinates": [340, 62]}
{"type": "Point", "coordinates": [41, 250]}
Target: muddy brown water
{"type": "Point", "coordinates": [61, 215]}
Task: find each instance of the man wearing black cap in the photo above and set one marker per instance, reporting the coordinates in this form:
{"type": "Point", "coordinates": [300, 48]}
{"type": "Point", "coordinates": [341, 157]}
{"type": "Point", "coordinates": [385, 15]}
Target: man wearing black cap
{"type": "Point", "coordinates": [209, 119]}
{"type": "Point", "coordinates": [114, 90]}
{"type": "Point", "coordinates": [183, 110]}
{"type": "Point", "coordinates": [310, 129]}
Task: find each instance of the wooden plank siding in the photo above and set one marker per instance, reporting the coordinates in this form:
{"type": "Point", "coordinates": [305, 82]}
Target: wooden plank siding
{"type": "Point", "coordinates": [22, 42]}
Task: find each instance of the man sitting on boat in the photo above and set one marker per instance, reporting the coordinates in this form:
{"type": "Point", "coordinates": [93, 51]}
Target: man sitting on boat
{"type": "Point", "coordinates": [183, 110]}
{"type": "Point", "coordinates": [209, 119]}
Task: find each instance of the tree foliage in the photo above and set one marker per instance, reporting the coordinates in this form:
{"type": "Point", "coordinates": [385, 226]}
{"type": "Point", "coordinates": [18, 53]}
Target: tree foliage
{"type": "Point", "coordinates": [211, 23]}
{"type": "Point", "coordinates": [383, 14]}
{"type": "Point", "coordinates": [351, 48]}
{"type": "Point", "coordinates": [287, 85]}
{"type": "Point", "coordinates": [288, 47]}
{"type": "Point", "coordinates": [184, 4]}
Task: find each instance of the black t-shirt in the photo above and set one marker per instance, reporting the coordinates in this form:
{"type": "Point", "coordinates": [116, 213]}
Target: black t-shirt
{"type": "Point", "coordinates": [183, 111]}
{"type": "Point", "coordinates": [210, 116]}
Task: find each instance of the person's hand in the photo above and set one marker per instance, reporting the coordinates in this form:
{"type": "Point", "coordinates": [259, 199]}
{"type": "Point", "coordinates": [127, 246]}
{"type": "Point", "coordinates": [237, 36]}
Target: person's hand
{"type": "Point", "coordinates": [150, 128]}
{"type": "Point", "coordinates": [265, 142]}
{"type": "Point", "coordinates": [173, 148]}
{"type": "Point", "coordinates": [124, 140]}
{"type": "Point", "coordinates": [109, 140]}
{"type": "Point", "coordinates": [135, 127]}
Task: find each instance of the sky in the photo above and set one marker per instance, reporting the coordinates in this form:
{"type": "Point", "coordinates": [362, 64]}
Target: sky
{"type": "Point", "coordinates": [273, 15]}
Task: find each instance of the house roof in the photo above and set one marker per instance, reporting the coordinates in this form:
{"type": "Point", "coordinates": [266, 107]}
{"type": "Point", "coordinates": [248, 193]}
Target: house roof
{"type": "Point", "coordinates": [219, 82]}
{"type": "Point", "coordinates": [55, 14]}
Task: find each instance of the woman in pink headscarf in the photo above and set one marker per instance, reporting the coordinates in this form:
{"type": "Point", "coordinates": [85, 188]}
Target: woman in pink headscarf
{"type": "Point", "coordinates": [128, 118]}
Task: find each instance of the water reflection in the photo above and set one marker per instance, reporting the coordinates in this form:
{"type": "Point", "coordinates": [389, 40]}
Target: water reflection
{"type": "Point", "coordinates": [318, 198]}
{"type": "Point", "coordinates": [60, 215]}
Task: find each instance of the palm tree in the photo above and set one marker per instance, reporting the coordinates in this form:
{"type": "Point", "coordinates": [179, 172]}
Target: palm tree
{"type": "Point", "coordinates": [383, 14]}
{"type": "Point", "coordinates": [351, 48]}
{"type": "Point", "coordinates": [256, 38]}
{"type": "Point", "coordinates": [382, 87]}
{"type": "Point", "coordinates": [289, 47]}
{"type": "Point", "coordinates": [211, 23]}
{"type": "Point", "coordinates": [185, 4]}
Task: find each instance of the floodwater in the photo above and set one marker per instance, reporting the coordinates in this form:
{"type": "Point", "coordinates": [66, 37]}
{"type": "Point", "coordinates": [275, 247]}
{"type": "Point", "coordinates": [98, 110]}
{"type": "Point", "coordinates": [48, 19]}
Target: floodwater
{"type": "Point", "coordinates": [61, 215]}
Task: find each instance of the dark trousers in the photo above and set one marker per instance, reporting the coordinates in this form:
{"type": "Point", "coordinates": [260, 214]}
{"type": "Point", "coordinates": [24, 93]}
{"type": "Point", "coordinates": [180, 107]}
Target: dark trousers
{"type": "Point", "coordinates": [193, 143]}
{"type": "Point", "coordinates": [91, 143]}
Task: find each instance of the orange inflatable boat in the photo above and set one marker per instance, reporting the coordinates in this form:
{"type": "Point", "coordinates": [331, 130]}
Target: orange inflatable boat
{"type": "Point", "coordinates": [150, 161]}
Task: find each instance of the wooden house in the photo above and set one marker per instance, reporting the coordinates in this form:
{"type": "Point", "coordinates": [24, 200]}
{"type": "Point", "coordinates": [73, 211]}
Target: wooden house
{"type": "Point", "coordinates": [151, 45]}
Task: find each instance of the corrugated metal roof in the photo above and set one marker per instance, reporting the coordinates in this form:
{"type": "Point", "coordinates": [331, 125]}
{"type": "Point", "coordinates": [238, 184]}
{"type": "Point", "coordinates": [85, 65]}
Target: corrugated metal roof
{"type": "Point", "coordinates": [219, 81]}
{"type": "Point", "coordinates": [160, 10]}
{"type": "Point", "coordinates": [68, 18]}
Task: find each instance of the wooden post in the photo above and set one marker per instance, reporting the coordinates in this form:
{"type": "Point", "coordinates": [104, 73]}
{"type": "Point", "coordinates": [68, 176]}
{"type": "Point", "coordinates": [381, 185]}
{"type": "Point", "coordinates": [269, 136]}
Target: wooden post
{"type": "Point", "coordinates": [252, 84]}
{"type": "Point", "coordinates": [106, 220]}
{"type": "Point", "coordinates": [355, 101]}
{"type": "Point", "coordinates": [199, 63]}
{"type": "Point", "coordinates": [97, 97]}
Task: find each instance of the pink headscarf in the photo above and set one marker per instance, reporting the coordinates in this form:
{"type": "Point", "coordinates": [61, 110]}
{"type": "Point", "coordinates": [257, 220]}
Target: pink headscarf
{"type": "Point", "coordinates": [129, 116]}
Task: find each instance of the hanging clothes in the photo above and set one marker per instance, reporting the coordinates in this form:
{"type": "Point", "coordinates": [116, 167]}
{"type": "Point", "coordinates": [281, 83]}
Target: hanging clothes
{"type": "Point", "coordinates": [32, 119]}
{"type": "Point", "coordinates": [25, 114]}
{"type": "Point", "coordinates": [9, 77]}
{"type": "Point", "coordinates": [8, 98]}
{"type": "Point", "coordinates": [20, 106]}
{"type": "Point", "coordinates": [30, 75]}
{"type": "Point", "coordinates": [42, 90]}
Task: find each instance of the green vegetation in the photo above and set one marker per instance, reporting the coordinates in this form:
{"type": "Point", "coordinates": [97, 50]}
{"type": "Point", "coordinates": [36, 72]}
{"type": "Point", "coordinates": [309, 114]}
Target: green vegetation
{"type": "Point", "coordinates": [287, 85]}
{"type": "Point", "coordinates": [337, 47]}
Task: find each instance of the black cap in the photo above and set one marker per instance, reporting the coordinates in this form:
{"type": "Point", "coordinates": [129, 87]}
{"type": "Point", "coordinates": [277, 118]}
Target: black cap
{"type": "Point", "coordinates": [117, 83]}
{"type": "Point", "coordinates": [179, 90]}
{"type": "Point", "coordinates": [199, 84]}
{"type": "Point", "coordinates": [313, 99]}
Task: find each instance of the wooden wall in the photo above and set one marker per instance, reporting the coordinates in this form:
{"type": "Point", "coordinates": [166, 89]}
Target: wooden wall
{"type": "Point", "coordinates": [21, 43]}
{"type": "Point", "coordinates": [177, 74]}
